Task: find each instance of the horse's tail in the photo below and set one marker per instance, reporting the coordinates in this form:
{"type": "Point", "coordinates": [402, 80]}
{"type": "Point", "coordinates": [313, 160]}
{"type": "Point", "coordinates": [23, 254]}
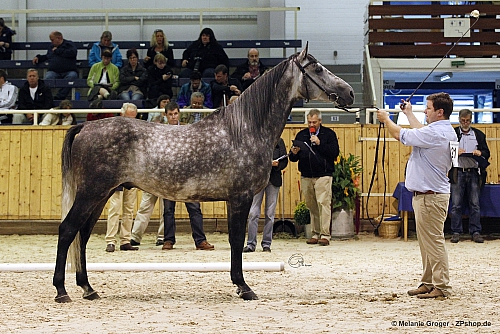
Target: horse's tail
{"type": "Point", "coordinates": [69, 194]}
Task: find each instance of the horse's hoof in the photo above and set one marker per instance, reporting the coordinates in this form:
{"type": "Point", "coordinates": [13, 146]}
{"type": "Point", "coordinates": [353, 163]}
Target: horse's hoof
{"type": "Point", "coordinates": [91, 296]}
{"type": "Point", "coordinates": [247, 295]}
{"type": "Point", "coordinates": [63, 299]}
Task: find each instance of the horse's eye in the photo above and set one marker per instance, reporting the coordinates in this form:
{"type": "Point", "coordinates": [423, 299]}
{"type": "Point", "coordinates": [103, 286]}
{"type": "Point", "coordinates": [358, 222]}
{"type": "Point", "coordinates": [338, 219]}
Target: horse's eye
{"type": "Point", "coordinates": [318, 69]}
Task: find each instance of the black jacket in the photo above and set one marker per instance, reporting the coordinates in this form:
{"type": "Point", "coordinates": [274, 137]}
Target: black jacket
{"type": "Point", "coordinates": [321, 162]}
{"type": "Point", "coordinates": [156, 84]}
{"type": "Point", "coordinates": [279, 151]}
{"type": "Point", "coordinates": [62, 59]}
{"type": "Point", "coordinates": [127, 77]}
{"type": "Point", "coordinates": [218, 91]}
{"type": "Point", "coordinates": [169, 54]}
{"type": "Point", "coordinates": [244, 68]}
{"type": "Point", "coordinates": [43, 97]}
{"type": "Point", "coordinates": [211, 55]}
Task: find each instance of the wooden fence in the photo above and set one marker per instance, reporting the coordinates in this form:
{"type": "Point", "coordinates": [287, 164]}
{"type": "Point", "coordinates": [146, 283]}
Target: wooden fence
{"type": "Point", "coordinates": [30, 171]}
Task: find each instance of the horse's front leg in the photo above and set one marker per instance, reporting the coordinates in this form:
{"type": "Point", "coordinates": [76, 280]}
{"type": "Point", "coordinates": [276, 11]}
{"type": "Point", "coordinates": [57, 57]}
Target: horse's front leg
{"type": "Point", "coordinates": [238, 210]}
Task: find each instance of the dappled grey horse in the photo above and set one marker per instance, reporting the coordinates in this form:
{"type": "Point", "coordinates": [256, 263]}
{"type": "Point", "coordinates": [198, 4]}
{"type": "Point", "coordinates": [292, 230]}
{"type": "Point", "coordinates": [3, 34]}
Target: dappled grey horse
{"type": "Point", "coordinates": [225, 157]}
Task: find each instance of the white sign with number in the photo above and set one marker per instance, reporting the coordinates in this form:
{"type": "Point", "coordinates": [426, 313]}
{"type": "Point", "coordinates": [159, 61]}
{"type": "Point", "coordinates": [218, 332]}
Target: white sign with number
{"type": "Point", "coordinates": [454, 153]}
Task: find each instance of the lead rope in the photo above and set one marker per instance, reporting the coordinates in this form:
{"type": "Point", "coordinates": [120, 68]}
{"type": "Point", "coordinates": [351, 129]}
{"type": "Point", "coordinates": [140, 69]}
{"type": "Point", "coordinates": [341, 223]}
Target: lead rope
{"type": "Point", "coordinates": [375, 163]}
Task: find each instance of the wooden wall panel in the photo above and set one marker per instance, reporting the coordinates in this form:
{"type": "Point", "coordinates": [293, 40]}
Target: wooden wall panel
{"type": "Point", "coordinates": [4, 174]}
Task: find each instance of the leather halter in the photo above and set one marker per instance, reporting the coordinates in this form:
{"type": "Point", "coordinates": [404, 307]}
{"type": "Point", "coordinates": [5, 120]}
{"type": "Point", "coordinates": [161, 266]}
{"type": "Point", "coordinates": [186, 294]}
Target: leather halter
{"type": "Point", "coordinates": [331, 96]}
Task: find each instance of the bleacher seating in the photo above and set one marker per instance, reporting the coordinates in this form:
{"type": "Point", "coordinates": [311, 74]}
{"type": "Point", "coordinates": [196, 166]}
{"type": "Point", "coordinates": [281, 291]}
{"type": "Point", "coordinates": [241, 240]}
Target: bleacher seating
{"type": "Point", "coordinates": [83, 65]}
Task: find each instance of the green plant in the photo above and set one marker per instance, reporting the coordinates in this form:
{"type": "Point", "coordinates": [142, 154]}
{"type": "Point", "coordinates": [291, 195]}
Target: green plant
{"type": "Point", "coordinates": [345, 181]}
{"type": "Point", "coordinates": [301, 214]}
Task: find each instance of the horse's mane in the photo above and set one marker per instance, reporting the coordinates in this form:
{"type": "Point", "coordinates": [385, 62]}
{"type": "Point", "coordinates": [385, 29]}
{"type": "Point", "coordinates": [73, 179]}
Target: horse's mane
{"type": "Point", "coordinates": [249, 111]}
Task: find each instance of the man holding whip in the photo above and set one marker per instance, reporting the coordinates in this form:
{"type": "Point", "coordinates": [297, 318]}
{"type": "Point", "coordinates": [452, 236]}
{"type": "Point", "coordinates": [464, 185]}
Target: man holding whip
{"type": "Point", "coordinates": [426, 177]}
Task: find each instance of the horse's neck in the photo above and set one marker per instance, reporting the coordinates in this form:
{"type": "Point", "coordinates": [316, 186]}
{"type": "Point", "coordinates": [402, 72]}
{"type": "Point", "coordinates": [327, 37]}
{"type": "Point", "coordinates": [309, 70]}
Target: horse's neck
{"type": "Point", "coordinates": [284, 97]}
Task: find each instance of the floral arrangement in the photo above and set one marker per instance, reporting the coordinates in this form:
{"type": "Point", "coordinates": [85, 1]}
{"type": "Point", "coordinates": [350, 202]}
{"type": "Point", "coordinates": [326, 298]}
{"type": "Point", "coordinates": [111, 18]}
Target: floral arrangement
{"type": "Point", "coordinates": [301, 214]}
{"type": "Point", "coordinates": [345, 182]}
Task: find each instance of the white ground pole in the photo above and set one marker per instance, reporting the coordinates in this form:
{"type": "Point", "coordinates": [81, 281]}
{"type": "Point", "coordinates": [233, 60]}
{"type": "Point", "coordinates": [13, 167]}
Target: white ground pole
{"type": "Point", "coordinates": [199, 267]}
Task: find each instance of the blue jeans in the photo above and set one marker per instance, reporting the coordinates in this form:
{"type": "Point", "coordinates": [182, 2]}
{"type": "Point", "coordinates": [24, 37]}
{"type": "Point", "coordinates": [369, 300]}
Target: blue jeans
{"type": "Point", "coordinates": [195, 218]}
{"type": "Point", "coordinates": [467, 186]}
{"type": "Point", "coordinates": [253, 217]}
{"type": "Point", "coordinates": [63, 92]}
{"type": "Point", "coordinates": [126, 95]}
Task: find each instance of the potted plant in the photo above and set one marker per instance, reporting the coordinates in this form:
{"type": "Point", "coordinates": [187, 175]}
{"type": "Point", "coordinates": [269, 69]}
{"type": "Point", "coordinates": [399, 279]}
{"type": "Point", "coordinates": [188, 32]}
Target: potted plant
{"type": "Point", "coordinates": [345, 190]}
{"type": "Point", "coordinates": [302, 217]}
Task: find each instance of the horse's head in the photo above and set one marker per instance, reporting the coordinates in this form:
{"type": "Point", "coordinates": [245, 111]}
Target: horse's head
{"type": "Point", "coordinates": [318, 83]}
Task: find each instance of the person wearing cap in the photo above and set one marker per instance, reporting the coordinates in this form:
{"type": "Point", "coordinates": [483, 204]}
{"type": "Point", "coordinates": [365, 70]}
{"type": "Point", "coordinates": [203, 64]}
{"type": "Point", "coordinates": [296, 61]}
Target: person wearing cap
{"type": "Point", "coordinates": [103, 79]}
{"type": "Point", "coordinates": [95, 55]}
{"type": "Point", "coordinates": [196, 84]}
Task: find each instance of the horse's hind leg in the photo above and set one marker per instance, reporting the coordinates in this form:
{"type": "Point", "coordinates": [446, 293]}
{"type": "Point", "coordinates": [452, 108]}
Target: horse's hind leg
{"type": "Point", "coordinates": [81, 275]}
{"type": "Point", "coordinates": [68, 229]}
{"type": "Point", "coordinates": [237, 218]}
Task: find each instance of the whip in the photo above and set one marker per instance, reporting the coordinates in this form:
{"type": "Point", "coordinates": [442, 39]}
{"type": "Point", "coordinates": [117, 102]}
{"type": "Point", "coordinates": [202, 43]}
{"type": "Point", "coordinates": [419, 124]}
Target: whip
{"type": "Point", "coordinates": [475, 14]}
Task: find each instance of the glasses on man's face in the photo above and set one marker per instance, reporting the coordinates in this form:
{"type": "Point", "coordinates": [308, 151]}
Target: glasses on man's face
{"type": "Point", "coordinates": [465, 120]}
{"type": "Point", "coordinates": [132, 57]}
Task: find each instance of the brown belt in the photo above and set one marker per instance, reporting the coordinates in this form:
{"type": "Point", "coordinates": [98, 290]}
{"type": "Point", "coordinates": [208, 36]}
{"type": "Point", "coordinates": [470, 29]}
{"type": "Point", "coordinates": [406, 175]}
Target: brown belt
{"type": "Point", "coordinates": [415, 193]}
{"type": "Point", "coordinates": [467, 170]}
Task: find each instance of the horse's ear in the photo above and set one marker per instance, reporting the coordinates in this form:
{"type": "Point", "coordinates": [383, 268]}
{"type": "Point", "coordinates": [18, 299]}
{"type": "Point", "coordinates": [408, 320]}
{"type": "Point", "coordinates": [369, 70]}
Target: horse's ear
{"type": "Point", "coordinates": [303, 53]}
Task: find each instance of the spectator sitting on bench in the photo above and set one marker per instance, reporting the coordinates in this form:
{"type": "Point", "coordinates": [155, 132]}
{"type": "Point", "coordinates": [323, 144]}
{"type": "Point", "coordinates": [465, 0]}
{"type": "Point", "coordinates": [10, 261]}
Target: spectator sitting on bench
{"type": "Point", "coordinates": [159, 78]}
{"type": "Point", "coordinates": [195, 85]}
{"type": "Point", "coordinates": [197, 99]}
{"type": "Point", "coordinates": [250, 70]}
{"type": "Point", "coordinates": [97, 104]}
{"type": "Point", "coordinates": [161, 102]}
{"type": "Point", "coordinates": [8, 97]}
{"type": "Point", "coordinates": [61, 56]}
{"type": "Point", "coordinates": [34, 95]}
{"type": "Point", "coordinates": [223, 87]}
{"type": "Point", "coordinates": [103, 79]}
{"type": "Point", "coordinates": [132, 78]}
{"type": "Point", "coordinates": [5, 41]}
{"type": "Point", "coordinates": [203, 55]}
{"type": "Point", "coordinates": [159, 44]}
{"type": "Point", "coordinates": [95, 55]}
{"type": "Point", "coordinates": [60, 118]}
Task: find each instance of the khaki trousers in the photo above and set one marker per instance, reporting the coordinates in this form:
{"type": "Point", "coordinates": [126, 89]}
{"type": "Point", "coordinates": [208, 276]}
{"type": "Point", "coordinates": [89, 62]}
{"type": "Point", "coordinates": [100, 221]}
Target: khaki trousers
{"type": "Point", "coordinates": [143, 215]}
{"type": "Point", "coordinates": [124, 201]}
{"type": "Point", "coordinates": [318, 197]}
{"type": "Point", "coordinates": [430, 214]}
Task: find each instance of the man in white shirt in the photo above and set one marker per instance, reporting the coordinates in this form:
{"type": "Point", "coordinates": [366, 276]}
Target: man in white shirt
{"type": "Point", "coordinates": [426, 177]}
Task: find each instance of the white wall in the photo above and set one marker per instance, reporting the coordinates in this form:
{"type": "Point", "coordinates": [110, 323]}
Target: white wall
{"type": "Point", "coordinates": [328, 25]}
{"type": "Point", "coordinates": [331, 25]}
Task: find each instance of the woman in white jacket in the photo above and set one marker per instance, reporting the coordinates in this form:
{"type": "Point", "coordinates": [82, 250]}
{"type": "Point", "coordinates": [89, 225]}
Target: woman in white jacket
{"type": "Point", "coordinates": [60, 118]}
{"type": "Point", "coordinates": [8, 95]}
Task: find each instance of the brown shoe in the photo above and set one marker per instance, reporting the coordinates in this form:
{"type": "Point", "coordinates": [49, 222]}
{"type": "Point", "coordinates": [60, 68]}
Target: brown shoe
{"type": "Point", "coordinates": [127, 247]}
{"type": "Point", "coordinates": [110, 248]}
{"type": "Point", "coordinates": [434, 293]}
{"type": "Point", "coordinates": [421, 289]}
{"type": "Point", "coordinates": [323, 242]}
{"type": "Point", "coordinates": [204, 245]}
{"type": "Point", "coordinates": [312, 241]}
{"type": "Point", "coordinates": [167, 245]}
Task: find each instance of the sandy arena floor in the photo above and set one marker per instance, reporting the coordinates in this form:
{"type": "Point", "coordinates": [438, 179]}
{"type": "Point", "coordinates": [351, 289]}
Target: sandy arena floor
{"type": "Point", "coordinates": [348, 287]}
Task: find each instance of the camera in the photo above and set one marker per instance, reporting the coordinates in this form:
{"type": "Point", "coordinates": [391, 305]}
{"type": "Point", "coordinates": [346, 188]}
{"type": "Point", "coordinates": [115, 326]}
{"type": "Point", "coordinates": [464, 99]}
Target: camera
{"type": "Point", "coordinates": [197, 62]}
